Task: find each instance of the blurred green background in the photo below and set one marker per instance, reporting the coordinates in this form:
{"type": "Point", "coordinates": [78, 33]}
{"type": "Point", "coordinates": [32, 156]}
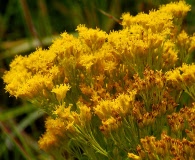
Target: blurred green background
{"type": "Point", "coordinates": [28, 24]}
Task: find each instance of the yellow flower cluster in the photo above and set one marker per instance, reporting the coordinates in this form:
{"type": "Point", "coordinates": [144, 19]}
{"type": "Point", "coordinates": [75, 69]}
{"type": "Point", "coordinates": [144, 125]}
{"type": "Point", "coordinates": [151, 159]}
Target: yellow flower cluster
{"type": "Point", "coordinates": [183, 78]}
{"type": "Point", "coordinates": [166, 148]}
{"type": "Point", "coordinates": [107, 94]}
{"type": "Point", "coordinates": [94, 40]}
{"type": "Point", "coordinates": [59, 129]}
{"type": "Point", "coordinates": [112, 111]}
{"type": "Point", "coordinates": [178, 10]}
{"type": "Point", "coordinates": [61, 91]}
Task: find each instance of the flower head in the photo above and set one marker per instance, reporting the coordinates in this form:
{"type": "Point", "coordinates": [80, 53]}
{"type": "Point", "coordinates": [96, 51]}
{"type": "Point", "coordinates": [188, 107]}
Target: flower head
{"type": "Point", "coordinates": [60, 91]}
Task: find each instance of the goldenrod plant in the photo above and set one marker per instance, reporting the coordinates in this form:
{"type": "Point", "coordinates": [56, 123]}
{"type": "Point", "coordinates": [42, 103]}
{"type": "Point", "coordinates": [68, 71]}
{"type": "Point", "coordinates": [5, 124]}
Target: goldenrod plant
{"type": "Point", "coordinates": [117, 95]}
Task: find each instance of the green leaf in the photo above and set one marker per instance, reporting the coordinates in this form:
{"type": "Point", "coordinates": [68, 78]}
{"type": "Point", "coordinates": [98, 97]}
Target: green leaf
{"type": "Point", "coordinates": [11, 113]}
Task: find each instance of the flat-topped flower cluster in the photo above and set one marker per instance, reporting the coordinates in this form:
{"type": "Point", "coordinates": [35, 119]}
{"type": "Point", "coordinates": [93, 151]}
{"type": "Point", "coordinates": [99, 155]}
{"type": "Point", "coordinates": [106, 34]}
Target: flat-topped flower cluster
{"type": "Point", "coordinates": [116, 95]}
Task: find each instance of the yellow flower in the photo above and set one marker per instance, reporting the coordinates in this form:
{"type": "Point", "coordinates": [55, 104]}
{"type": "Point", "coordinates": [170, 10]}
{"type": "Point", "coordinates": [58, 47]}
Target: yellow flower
{"type": "Point", "coordinates": [87, 61]}
{"type": "Point", "coordinates": [188, 74]}
{"type": "Point", "coordinates": [93, 38]}
{"type": "Point", "coordinates": [120, 42]}
{"type": "Point", "coordinates": [124, 103]}
{"type": "Point", "coordinates": [60, 91]}
{"type": "Point", "coordinates": [55, 126]}
{"type": "Point", "coordinates": [183, 39]}
{"type": "Point", "coordinates": [29, 76]}
{"type": "Point", "coordinates": [109, 125]}
{"type": "Point", "coordinates": [69, 47]}
{"type": "Point", "coordinates": [17, 75]}
{"type": "Point", "coordinates": [64, 113]}
{"type": "Point", "coordinates": [109, 66]}
{"type": "Point", "coordinates": [40, 61]}
{"type": "Point", "coordinates": [83, 116]}
{"type": "Point", "coordinates": [34, 85]}
{"type": "Point", "coordinates": [174, 76]}
{"type": "Point", "coordinates": [48, 142]}
{"type": "Point", "coordinates": [104, 109]}
{"type": "Point", "coordinates": [127, 19]}
{"type": "Point", "coordinates": [134, 157]}
{"type": "Point", "coordinates": [177, 9]}
{"type": "Point", "coordinates": [85, 113]}
{"type": "Point", "coordinates": [192, 44]}
{"type": "Point", "coordinates": [155, 40]}
{"type": "Point", "coordinates": [157, 21]}
{"type": "Point", "coordinates": [55, 135]}
{"type": "Point", "coordinates": [183, 77]}
{"type": "Point", "coordinates": [121, 106]}
{"type": "Point", "coordinates": [170, 54]}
